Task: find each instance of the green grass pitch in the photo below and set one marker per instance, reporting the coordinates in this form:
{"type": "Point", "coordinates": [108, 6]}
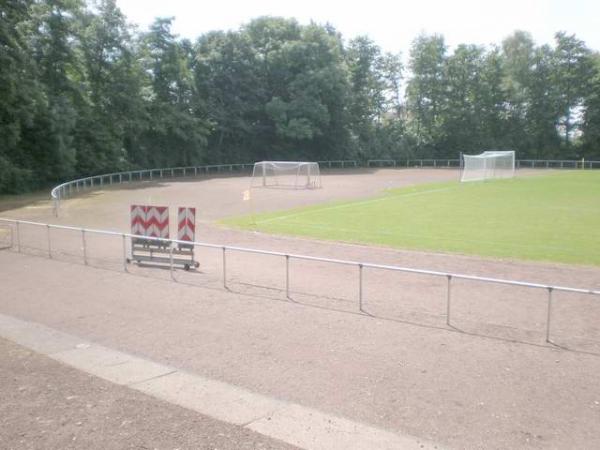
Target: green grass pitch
{"type": "Point", "coordinates": [554, 217]}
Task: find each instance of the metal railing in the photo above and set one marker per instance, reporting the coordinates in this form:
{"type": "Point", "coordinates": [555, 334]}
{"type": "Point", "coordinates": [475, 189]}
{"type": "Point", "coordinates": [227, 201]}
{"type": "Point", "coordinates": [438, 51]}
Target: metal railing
{"type": "Point", "coordinates": [340, 163]}
{"type": "Point", "coordinates": [360, 266]}
{"type": "Point", "coordinates": [520, 163]}
{"type": "Point", "coordinates": [556, 164]}
{"type": "Point", "coordinates": [70, 188]}
{"type": "Point", "coordinates": [441, 163]}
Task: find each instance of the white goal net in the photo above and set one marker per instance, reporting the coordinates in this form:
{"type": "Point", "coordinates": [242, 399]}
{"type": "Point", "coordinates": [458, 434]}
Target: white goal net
{"type": "Point", "coordinates": [286, 174]}
{"type": "Point", "coordinates": [490, 164]}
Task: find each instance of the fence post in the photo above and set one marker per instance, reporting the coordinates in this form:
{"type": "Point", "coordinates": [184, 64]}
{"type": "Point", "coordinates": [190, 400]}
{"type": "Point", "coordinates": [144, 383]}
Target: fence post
{"type": "Point", "coordinates": [124, 253]}
{"type": "Point", "coordinates": [549, 314]}
{"type": "Point", "coordinates": [49, 246]}
{"type": "Point", "coordinates": [171, 260]}
{"type": "Point", "coordinates": [287, 276]}
{"type": "Point", "coordinates": [448, 297]}
{"type": "Point", "coordinates": [224, 268]}
{"type": "Point", "coordinates": [18, 238]}
{"type": "Point", "coordinates": [84, 247]}
{"type": "Point", "coordinates": [360, 287]}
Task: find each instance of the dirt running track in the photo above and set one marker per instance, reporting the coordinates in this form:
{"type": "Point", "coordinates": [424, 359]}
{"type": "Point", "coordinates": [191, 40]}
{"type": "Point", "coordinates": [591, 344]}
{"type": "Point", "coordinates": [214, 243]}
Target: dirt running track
{"type": "Point", "coordinates": [489, 381]}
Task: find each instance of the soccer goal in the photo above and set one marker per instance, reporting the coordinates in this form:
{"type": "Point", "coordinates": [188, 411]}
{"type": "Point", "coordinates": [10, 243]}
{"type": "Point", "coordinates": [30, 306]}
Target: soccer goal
{"type": "Point", "coordinates": [286, 175]}
{"type": "Point", "coordinates": [490, 164]}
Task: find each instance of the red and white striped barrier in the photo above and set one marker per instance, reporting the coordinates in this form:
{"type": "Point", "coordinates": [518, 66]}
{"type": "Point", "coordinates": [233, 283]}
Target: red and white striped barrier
{"type": "Point", "coordinates": [157, 222]}
{"type": "Point", "coordinates": [150, 221]}
{"type": "Point", "coordinates": [138, 219]}
{"type": "Point", "coordinates": [186, 221]}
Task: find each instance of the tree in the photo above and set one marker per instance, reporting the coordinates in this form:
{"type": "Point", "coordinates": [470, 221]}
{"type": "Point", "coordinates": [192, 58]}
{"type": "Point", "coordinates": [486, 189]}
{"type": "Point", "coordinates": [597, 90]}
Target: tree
{"type": "Point", "coordinates": [114, 114]}
{"type": "Point", "coordinates": [21, 96]}
{"type": "Point", "coordinates": [462, 108]}
{"type": "Point", "coordinates": [176, 134]}
{"type": "Point", "coordinates": [572, 71]}
{"type": "Point", "coordinates": [425, 92]}
{"type": "Point", "coordinates": [591, 117]}
{"type": "Point", "coordinates": [55, 49]}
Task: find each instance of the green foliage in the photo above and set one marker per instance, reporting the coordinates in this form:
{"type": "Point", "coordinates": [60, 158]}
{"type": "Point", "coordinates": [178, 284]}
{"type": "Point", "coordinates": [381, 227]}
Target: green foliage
{"type": "Point", "coordinates": [549, 218]}
{"type": "Point", "coordinates": [81, 93]}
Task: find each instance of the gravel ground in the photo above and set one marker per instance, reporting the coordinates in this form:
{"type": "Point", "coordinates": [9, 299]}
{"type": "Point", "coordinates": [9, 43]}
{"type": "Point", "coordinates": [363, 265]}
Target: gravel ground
{"type": "Point", "coordinates": [48, 405]}
{"type": "Point", "coordinates": [490, 381]}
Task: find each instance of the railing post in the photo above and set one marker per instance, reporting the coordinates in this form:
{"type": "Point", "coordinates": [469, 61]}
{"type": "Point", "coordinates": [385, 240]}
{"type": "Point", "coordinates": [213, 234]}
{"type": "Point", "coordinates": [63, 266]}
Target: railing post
{"type": "Point", "coordinates": [360, 287]}
{"type": "Point", "coordinates": [49, 245]}
{"type": "Point", "coordinates": [124, 253]}
{"type": "Point", "coordinates": [84, 247]}
{"type": "Point", "coordinates": [448, 298]}
{"type": "Point", "coordinates": [171, 260]}
{"type": "Point", "coordinates": [18, 238]}
{"type": "Point", "coordinates": [224, 268]}
{"type": "Point", "coordinates": [287, 276]}
{"type": "Point", "coordinates": [549, 314]}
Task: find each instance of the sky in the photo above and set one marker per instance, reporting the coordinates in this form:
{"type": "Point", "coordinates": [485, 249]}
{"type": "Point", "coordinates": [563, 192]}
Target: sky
{"type": "Point", "coordinates": [390, 24]}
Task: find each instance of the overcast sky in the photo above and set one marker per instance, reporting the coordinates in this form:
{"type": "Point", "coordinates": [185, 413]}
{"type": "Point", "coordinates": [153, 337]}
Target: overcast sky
{"type": "Point", "coordinates": [391, 24]}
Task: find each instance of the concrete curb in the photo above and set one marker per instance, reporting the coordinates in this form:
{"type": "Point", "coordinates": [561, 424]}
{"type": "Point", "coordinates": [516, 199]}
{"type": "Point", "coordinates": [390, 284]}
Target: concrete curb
{"type": "Point", "coordinates": [292, 423]}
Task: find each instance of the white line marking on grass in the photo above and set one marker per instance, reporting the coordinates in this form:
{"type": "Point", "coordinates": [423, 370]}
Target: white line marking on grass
{"type": "Point", "coordinates": [288, 422]}
{"type": "Point", "coordinates": [353, 204]}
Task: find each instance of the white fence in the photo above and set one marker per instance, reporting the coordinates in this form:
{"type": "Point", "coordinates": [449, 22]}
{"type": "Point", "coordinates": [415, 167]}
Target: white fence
{"type": "Point", "coordinates": [71, 188]}
{"type": "Point", "coordinates": [520, 163]}
{"type": "Point", "coordinates": [16, 243]}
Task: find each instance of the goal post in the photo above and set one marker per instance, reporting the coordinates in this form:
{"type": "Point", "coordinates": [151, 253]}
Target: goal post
{"type": "Point", "coordinates": [488, 165]}
{"type": "Point", "coordinates": [286, 175]}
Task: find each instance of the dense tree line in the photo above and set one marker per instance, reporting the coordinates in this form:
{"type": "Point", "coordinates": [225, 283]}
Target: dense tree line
{"type": "Point", "coordinates": [82, 92]}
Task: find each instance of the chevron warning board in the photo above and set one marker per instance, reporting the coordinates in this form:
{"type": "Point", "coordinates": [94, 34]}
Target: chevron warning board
{"type": "Point", "coordinates": [157, 221]}
{"type": "Point", "coordinates": [138, 220]}
{"type": "Point", "coordinates": [150, 221]}
{"type": "Point", "coordinates": [186, 220]}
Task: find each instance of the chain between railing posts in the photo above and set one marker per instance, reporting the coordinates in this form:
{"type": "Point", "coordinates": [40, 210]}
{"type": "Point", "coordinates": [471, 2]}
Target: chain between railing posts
{"type": "Point", "coordinates": [49, 245]}
{"type": "Point", "coordinates": [18, 237]}
{"type": "Point", "coordinates": [84, 247]}
{"type": "Point", "coordinates": [549, 314]}
{"type": "Point", "coordinates": [360, 287]}
{"type": "Point", "coordinates": [287, 276]}
{"type": "Point", "coordinates": [124, 253]}
{"type": "Point", "coordinates": [448, 298]}
{"type": "Point", "coordinates": [224, 268]}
